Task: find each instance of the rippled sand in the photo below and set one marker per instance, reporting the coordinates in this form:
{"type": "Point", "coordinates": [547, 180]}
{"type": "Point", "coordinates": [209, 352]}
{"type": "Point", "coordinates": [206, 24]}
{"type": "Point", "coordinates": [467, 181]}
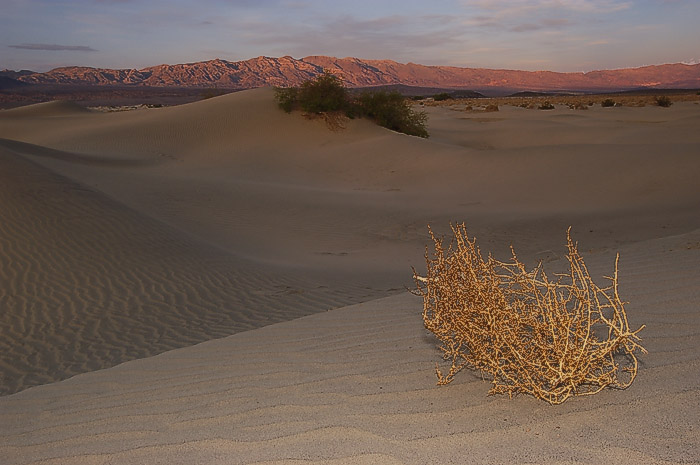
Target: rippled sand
{"type": "Point", "coordinates": [126, 235]}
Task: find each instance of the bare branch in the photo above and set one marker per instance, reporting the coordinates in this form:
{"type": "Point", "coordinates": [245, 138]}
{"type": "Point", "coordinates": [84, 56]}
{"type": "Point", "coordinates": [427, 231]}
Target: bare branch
{"type": "Point", "coordinates": [550, 339]}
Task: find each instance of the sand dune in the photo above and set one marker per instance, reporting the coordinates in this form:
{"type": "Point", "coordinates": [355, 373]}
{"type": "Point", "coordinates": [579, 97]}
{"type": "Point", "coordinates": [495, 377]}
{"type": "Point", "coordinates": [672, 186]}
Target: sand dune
{"type": "Point", "coordinates": [88, 283]}
{"type": "Point", "coordinates": [125, 235]}
{"type": "Point", "coordinates": [356, 385]}
{"type": "Point", "coordinates": [237, 172]}
{"type": "Point", "coordinates": [58, 108]}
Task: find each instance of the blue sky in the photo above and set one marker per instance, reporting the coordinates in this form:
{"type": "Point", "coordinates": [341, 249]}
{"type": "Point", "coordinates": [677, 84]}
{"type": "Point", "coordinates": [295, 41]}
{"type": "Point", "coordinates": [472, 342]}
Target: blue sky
{"type": "Point", "coordinates": [556, 35]}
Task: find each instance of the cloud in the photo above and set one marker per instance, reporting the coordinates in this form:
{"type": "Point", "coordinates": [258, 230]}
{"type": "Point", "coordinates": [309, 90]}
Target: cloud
{"type": "Point", "coordinates": [546, 24]}
{"type": "Point", "coordinates": [592, 6]}
{"type": "Point", "coordinates": [526, 27]}
{"type": "Point", "coordinates": [54, 47]}
{"type": "Point", "coordinates": [397, 36]}
{"type": "Point", "coordinates": [533, 15]}
{"type": "Point", "coordinates": [514, 7]}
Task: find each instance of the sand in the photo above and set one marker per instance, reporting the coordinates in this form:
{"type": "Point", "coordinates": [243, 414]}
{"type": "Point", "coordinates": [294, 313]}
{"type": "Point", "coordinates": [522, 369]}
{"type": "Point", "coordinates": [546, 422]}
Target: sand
{"type": "Point", "coordinates": [126, 235]}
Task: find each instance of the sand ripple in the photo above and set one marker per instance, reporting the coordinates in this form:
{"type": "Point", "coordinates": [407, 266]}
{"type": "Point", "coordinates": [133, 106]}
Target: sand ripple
{"type": "Point", "coordinates": [87, 283]}
{"type": "Point", "coordinates": [127, 235]}
{"type": "Point", "coordinates": [356, 385]}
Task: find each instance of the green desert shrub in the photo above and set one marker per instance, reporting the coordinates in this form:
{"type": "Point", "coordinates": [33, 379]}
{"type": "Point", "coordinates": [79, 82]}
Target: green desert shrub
{"type": "Point", "coordinates": [323, 94]}
{"type": "Point", "coordinates": [287, 98]}
{"type": "Point", "coordinates": [663, 101]}
{"type": "Point", "coordinates": [326, 95]}
{"type": "Point", "coordinates": [608, 102]}
{"type": "Point", "coordinates": [441, 96]}
{"type": "Point", "coordinates": [392, 111]}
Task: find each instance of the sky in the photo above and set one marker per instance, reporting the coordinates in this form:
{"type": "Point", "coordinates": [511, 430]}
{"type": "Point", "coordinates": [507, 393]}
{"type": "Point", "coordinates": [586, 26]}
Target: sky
{"type": "Point", "coordinates": [554, 35]}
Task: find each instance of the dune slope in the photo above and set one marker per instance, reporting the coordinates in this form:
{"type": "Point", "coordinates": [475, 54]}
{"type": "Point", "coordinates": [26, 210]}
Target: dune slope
{"type": "Point", "coordinates": [357, 385]}
{"type": "Point", "coordinates": [88, 283]}
{"type": "Point", "coordinates": [126, 234]}
{"type": "Point", "coordinates": [237, 172]}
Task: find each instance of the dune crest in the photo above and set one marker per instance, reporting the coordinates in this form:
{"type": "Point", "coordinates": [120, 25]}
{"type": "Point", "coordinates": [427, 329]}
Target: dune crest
{"type": "Point", "coordinates": [54, 108]}
{"type": "Point", "coordinates": [88, 283]}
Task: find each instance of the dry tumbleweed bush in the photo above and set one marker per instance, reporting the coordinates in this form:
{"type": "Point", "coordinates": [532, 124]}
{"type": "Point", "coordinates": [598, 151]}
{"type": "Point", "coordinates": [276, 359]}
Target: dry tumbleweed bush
{"type": "Point", "coordinates": [551, 339]}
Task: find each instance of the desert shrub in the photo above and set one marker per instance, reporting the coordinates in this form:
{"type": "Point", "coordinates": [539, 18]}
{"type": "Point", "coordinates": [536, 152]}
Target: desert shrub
{"type": "Point", "coordinates": [392, 111]}
{"type": "Point", "coordinates": [546, 106]}
{"type": "Point", "coordinates": [442, 96]}
{"type": "Point", "coordinates": [287, 98]}
{"type": "Point", "coordinates": [608, 102]}
{"type": "Point", "coordinates": [663, 101]}
{"type": "Point", "coordinates": [491, 107]}
{"type": "Point", "coordinates": [552, 339]}
{"type": "Point", "coordinates": [324, 94]}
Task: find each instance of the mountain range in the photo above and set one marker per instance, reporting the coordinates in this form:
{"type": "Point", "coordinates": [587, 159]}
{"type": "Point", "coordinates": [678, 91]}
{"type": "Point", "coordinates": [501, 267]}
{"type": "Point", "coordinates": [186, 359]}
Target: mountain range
{"type": "Point", "coordinates": [288, 71]}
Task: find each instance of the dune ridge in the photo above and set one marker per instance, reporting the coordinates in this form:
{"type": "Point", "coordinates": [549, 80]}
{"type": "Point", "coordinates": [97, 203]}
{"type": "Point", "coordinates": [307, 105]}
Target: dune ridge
{"type": "Point", "coordinates": [48, 109]}
{"type": "Point", "coordinates": [345, 197]}
{"type": "Point", "coordinates": [89, 283]}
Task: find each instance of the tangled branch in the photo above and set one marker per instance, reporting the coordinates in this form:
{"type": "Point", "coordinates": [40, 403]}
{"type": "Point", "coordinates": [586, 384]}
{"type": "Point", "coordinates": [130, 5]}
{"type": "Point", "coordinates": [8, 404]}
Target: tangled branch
{"type": "Point", "coordinates": [552, 339]}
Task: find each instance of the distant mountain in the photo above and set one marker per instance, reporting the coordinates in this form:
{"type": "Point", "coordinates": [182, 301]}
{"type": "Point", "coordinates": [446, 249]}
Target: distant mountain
{"type": "Point", "coordinates": [8, 78]}
{"type": "Point", "coordinates": [287, 71]}
{"type": "Point", "coordinates": [9, 83]}
{"type": "Point", "coordinates": [8, 73]}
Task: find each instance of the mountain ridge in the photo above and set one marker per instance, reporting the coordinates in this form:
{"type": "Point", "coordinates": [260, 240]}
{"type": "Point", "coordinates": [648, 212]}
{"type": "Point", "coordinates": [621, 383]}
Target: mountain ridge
{"type": "Point", "coordinates": [356, 72]}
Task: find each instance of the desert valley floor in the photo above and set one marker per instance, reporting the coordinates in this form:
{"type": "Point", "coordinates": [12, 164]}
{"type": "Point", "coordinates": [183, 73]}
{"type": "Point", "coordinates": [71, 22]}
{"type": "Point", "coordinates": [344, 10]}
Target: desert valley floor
{"type": "Point", "coordinates": [222, 282]}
